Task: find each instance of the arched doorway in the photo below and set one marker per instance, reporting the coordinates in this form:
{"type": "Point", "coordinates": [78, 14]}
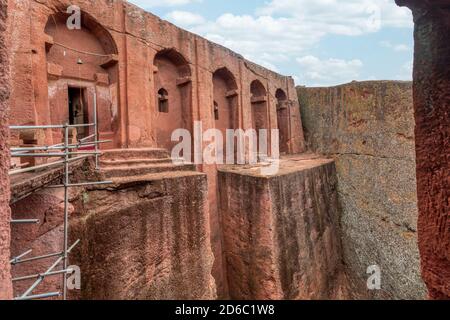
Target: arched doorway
{"type": "Point", "coordinates": [259, 110]}
{"type": "Point", "coordinates": [283, 120]}
{"type": "Point", "coordinates": [82, 70]}
{"type": "Point", "coordinates": [173, 96]}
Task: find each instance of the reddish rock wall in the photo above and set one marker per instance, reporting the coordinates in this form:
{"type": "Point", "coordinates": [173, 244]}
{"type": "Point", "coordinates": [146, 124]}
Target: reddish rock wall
{"type": "Point", "coordinates": [432, 112]}
{"type": "Point", "coordinates": [145, 49]}
{"type": "Point", "coordinates": [5, 276]}
{"type": "Point", "coordinates": [43, 238]}
{"type": "Point", "coordinates": [281, 233]}
{"type": "Point", "coordinates": [127, 56]}
{"type": "Point", "coordinates": [368, 128]}
{"type": "Point", "coordinates": [145, 238]}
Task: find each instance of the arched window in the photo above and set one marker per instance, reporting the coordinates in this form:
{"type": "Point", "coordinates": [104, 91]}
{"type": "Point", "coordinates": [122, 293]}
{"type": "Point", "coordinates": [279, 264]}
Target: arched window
{"type": "Point", "coordinates": [163, 101]}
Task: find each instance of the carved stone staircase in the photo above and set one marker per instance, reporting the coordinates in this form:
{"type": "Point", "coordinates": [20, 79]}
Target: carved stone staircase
{"type": "Point", "coordinates": [120, 163]}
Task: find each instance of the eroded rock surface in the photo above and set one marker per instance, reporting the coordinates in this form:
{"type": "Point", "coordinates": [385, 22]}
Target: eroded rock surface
{"type": "Point", "coordinates": [5, 276]}
{"type": "Point", "coordinates": [43, 238]}
{"type": "Point", "coordinates": [432, 112]}
{"type": "Point", "coordinates": [144, 238]}
{"type": "Point", "coordinates": [148, 78]}
{"type": "Point", "coordinates": [368, 128]}
{"type": "Point", "coordinates": [281, 232]}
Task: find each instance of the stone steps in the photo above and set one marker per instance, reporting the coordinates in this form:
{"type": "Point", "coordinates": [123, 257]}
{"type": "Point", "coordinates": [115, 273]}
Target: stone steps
{"type": "Point", "coordinates": [123, 163]}
{"type": "Point", "coordinates": [120, 172]}
{"type": "Point", "coordinates": [127, 154]}
{"type": "Point", "coordinates": [132, 162]}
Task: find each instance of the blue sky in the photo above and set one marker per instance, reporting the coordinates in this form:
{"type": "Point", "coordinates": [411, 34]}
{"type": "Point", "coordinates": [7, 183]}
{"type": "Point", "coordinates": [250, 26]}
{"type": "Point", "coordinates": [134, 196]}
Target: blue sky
{"type": "Point", "coordinates": [318, 42]}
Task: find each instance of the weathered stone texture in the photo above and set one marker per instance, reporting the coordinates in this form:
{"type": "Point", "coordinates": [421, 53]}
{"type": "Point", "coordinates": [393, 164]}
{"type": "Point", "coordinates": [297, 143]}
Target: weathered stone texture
{"type": "Point", "coordinates": [5, 276]}
{"type": "Point", "coordinates": [43, 238]}
{"type": "Point", "coordinates": [432, 113]}
{"type": "Point", "coordinates": [281, 233]}
{"type": "Point", "coordinates": [368, 128]}
{"type": "Point", "coordinates": [126, 51]}
{"type": "Point", "coordinates": [138, 65]}
{"type": "Point", "coordinates": [145, 238]}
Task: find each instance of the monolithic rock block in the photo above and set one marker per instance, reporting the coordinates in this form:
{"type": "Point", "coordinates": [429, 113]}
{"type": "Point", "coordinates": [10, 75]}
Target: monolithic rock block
{"type": "Point", "coordinates": [368, 127]}
{"type": "Point", "coordinates": [43, 238]}
{"type": "Point", "coordinates": [147, 240]}
{"type": "Point", "coordinates": [431, 106]}
{"type": "Point", "coordinates": [281, 233]}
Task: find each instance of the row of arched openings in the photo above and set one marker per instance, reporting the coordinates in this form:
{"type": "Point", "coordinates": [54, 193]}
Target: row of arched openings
{"type": "Point", "coordinates": [174, 103]}
{"type": "Point", "coordinates": [172, 84]}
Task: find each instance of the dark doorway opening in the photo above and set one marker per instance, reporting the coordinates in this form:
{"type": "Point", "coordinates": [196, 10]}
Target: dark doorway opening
{"type": "Point", "coordinates": [78, 110]}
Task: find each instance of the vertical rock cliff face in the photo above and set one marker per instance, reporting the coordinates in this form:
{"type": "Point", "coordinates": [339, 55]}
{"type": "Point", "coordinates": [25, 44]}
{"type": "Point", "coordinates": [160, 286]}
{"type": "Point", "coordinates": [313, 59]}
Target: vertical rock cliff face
{"type": "Point", "coordinates": [5, 276]}
{"type": "Point", "coordinates": [432, 112]}
{"type": "Point", "coordinates": [145, 238]}
{"type": "Point", "coordinates": [281, 233]}
{"type": "Point", "coordinates": [43, 238]}
{"type": "Point", "coordinates": [368, 128]}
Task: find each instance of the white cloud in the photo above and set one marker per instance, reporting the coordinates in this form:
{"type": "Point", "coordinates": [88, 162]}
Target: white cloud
{"type": "Point", "coordinates": [292, 27]}
{"type": "Point", "coordinates": [345, 16]}
{"type": "Point", "coordinates": [281, 30]}
{"type": "Point", "coordinates": [273, 38]}
{"type": "Point", "coordinates": [162, 3]}
{"type": "Point", "coordinates": [328, 71]}
{"type": "Point", "coordinates": [184, 18]}
{"type": "Point", "coordinates": [395, 47]}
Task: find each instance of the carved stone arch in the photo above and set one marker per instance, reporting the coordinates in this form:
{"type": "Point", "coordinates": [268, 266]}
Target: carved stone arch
{"type": "Point", "coordinates": [280, 95]}
{"type": "Point", "coordinates": [82, 66]}
{"type": "Point", "coordinates": [258, 90]}
{"type": "Point", "coordinates": [172, 72]}
{"type": "Point", "coordinates": [177, 59]}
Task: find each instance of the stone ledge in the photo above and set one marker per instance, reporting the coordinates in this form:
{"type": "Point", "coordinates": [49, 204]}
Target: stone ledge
{"type": "Point", "coordinates": [26, 183]}
{"type": "Point", "coordinates": [288, 165]}
{"type": "Point", "coordinates": [281, 232]}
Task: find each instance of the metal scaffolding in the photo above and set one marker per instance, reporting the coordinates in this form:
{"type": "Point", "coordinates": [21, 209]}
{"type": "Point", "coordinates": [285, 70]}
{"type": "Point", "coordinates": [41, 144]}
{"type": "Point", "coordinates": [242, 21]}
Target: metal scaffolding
{"type": "Point", "coordinates": [66, 152]}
